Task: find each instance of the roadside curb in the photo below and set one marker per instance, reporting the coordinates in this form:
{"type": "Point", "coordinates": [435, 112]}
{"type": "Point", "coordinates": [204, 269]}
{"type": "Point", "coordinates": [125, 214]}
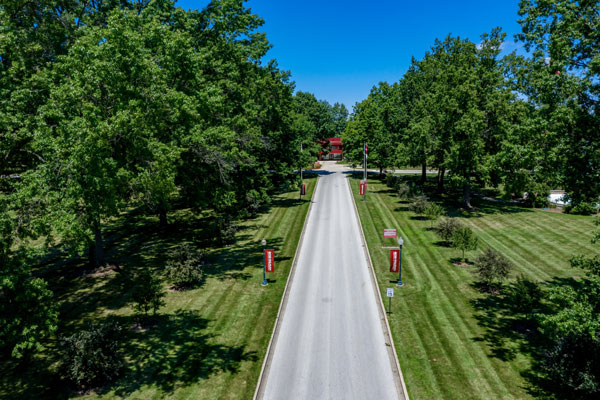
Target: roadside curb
{"type": "Point", "coordinates": [260, 387]}
{"type": "Point", "coordinates": [401, 386]}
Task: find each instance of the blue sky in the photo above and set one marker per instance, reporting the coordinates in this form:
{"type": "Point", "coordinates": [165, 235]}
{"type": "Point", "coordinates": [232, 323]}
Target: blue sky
{"type": "Point", "coordinates": [339, 50]}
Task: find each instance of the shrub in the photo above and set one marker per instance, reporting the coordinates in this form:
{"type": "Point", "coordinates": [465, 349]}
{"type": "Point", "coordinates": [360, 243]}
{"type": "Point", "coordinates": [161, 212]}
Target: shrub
{"type": "Point", "coordinates": [393, 181]}
{"type": "Point", "coordinates": [525, 296]}
{"type": "Point", "coordinates": [184, 267]}
{"type": "Point", "coordinates": [574, 363]}
{"type": "Point", "coordinates": [492, 268]}
{"type": "Point", "coordinates": [147, 293]}
{"type": "Point", "coordinates": [91, 357]}
{"type": "Point", "coordinates": [582, 208]}
{"type": "Point", "coordinates": [403, 191]}
{"type": "Point", "coordinates": [446, 227]}
{"type": "Point", "coordinates": [227, 229]}
{"type": "Point", "coordinates": [464, 239]}
{"type": "Point", "coordinates": [434, 211]}
{"type": "Point", "coordinates": [419, 204]}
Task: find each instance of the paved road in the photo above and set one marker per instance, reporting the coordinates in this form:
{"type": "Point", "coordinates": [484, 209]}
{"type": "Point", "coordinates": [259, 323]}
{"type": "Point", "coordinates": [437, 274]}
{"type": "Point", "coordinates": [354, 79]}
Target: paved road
{"type": "Point", "coordinates": [331, 343]}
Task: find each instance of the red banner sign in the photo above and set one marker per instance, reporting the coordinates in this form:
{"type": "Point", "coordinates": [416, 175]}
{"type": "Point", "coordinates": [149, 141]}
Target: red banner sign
{"type": "Point", "coordinates": [363, 187]}
{"type": "Point", "coordinates": [389, 233]}
{"type": "Point", "coordinates": [270, 260]}
{"type": "Point", "coordinates": [394, 260]}
{"type": "Point", "coordinates": [303, 189]}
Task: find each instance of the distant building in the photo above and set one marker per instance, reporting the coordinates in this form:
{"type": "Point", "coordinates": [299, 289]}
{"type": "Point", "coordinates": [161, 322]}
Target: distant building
{"type": "Point", "coordinates": [334, 149]}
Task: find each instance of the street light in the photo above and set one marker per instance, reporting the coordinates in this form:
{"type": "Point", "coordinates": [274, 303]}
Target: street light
{"type": "Point", "coordinates": [400, 243]}
{"type": "Point", "coordinates": [264, 244]}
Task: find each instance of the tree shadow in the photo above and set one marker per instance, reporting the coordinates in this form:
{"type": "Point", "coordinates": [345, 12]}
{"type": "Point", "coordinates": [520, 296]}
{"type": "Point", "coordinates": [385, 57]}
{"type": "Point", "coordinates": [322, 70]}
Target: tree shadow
{"type": "Point", "coordinates": [509, 332]}
{"type": "Point", "coordinates": [175, 352]}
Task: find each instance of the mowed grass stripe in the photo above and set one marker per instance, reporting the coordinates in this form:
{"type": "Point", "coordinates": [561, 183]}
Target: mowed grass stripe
{"type": "Point", "coordinates": [239, 312]}
{"type": "Point", "coordinates": [447, 315]}
{"type": "Point", "coordinates": [530, 239]}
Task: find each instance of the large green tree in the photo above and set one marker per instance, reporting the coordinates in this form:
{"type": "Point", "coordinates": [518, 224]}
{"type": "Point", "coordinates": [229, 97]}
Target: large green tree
{"type": "Point", "coordinates": [562, 80]}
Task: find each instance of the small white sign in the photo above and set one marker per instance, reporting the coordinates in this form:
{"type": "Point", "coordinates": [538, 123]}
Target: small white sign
{"type": "Point", "coordinates": [390, 292]}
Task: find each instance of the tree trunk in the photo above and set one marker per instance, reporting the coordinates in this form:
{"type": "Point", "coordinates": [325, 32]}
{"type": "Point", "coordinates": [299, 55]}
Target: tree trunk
{"type": "Point", "coordinates": [440, 183]}
{"type": "Point", "coordinates": [162, 215]}
{"type": "Point", "coordinates": [467, 196]}
{"type": "Point", "coordinates": [97, 248]}
{"type": "Point", "coordinates": [380, 170]}
{"type": "Point", "coordinates": [424, 173]}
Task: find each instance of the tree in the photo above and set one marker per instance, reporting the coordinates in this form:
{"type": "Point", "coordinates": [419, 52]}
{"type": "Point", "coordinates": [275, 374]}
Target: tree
{"type": "Point", "coordinates": [433, 212]}
{"type": "Point", "coordinates": [562, 82]}
{"type": "Point", "coordinates": [185, 266]}
{"type": "Point", "coordinates": [464, 239]}
{"type": "Point", "coordinates": [92, 357]}
{"type": "Point", "coordinates": [28, 312]}
{"type": "Point", "coordinates": [419, 205]}
{"type": "Point", "coordinates": [373, 122]}
{"type": "Point", "coordinates": [446, 227]}
{"type": "Point", "coordinates": [492, 268]}
{"type": "Point", "coordinates": [147, 293]}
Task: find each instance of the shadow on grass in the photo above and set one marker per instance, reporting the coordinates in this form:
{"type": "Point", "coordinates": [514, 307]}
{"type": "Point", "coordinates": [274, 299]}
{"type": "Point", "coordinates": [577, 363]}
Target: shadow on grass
{"type": "Point", "coordinates": [176, 352]}
{"type": "Point", "coordinates": [510, 331]}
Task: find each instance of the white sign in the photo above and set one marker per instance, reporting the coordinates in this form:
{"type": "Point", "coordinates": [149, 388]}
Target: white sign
{"type": "Point", "coordinates": [390, 292]}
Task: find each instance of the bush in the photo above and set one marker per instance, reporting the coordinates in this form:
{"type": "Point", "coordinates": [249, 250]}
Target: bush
{"type": "Point", "coordinates": [147, 293]}
{"type": "Point", "coordinates": [184, 267]}
{"type": "Point", "coordinates": [464, 239]}
{"type": "Point", "coordinates": [582, 208]}
{"type": "Point", "coordinates": [393, 181]}
{"type": "Point", "coordinates": [525, 297]}
{"type": "Point", "coordinates": [91, 357]}
{"type": "Point", "coordinates": [574, 363]}
{"type": "Point", "coordinates": [446, 227]}
{"type": "Point", "coordinates": [492, 268]}
{"type": "Point", "coordinates": [419, 205]}
{"type": "Point", "coordinates": [227, 229]}
{"type": "Point", "coordinates": [403, 191]}
{"type": "Point", "coordinates": [434, 211]}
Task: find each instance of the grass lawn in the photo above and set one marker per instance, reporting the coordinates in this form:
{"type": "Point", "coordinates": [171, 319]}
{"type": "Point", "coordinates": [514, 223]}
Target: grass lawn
{"type": "Point", "coordinates": [206, 343]}
{"type": "Point", "coordinates": [452, 341]}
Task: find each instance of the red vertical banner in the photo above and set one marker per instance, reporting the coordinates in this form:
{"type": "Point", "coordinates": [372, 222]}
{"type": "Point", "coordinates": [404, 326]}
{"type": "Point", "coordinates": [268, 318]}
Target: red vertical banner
{"type": "Point", "coordinates": [394, 260]}
{"type": "Point", "coordinates": [303, 189]}
{"type": "Point", "coordinates": [270, 260]}
{"type": "Point", "coordinates": [363, 187]}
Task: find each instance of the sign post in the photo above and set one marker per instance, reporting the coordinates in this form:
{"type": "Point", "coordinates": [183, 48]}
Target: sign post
{"type": "Point", "coordinates": [400, 243]}
{"type": "Point", "coordinates": [390, 294]}
{"type": "Point", "coordinates": [269, 256]}
{"type": "Point", "coordinates": [388, 234]}
{"type": "Point", "coordinates": [365, 151]}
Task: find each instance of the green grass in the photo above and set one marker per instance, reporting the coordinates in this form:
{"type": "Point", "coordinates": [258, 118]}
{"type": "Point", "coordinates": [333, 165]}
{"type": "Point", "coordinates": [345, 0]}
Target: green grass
{"type": "Point", "coordinates": [206, 343]}
{"type": "Point", "coordinates": [452, 341]}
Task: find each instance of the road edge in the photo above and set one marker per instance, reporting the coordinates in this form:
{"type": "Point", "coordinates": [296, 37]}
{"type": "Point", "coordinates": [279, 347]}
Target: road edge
{"type": "Point", "coordinates": [260, 386]}
{"type": "Point", "coordinates": [387, 331]}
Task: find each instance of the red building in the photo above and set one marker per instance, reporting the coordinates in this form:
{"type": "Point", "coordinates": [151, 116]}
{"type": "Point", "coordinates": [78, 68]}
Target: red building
{"type": "Point", "coordinates": [332, 149]}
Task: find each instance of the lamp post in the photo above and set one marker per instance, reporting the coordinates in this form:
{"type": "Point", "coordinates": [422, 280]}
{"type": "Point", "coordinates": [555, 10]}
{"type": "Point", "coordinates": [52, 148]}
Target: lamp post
{"type": "Point", "coordinates": [400, 243]}
{"type": "Point", "coordinates": [264, 244]}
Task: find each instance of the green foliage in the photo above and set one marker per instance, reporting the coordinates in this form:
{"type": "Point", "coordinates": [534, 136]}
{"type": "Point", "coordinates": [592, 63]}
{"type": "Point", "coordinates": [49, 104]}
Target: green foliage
{"type": "Point", "coordinates": [28, 311]}
{"type": "Point", "coordinates": [525, 296]}
{"type": "Point", "coordinates": [404, 191]}
{"type": "Point", "coordinates": [573, 363]}
{"type": "Point", "coordinates": [446, 227]}
{"type": "Point", "coordinates": [419, 204]}
{"type": "Point", "coordinates": [185, 266]}
{"type": "Point", "coordinates": [493, 268]}
{"type": "Point", "coordinates": [581, 208]}
{"type": "Point", "coordinates": [147, 293]}
{"type": "Point", "coordinates": [561, 80]}
{"type": "Point", "coordinates": [226, 230]}
{"type": "Point", "coordinates": [92, 357]}
{"type": "Point", "coordinates": [464, 239]}
{"type": "Point", "coordinates": [434, 211]}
